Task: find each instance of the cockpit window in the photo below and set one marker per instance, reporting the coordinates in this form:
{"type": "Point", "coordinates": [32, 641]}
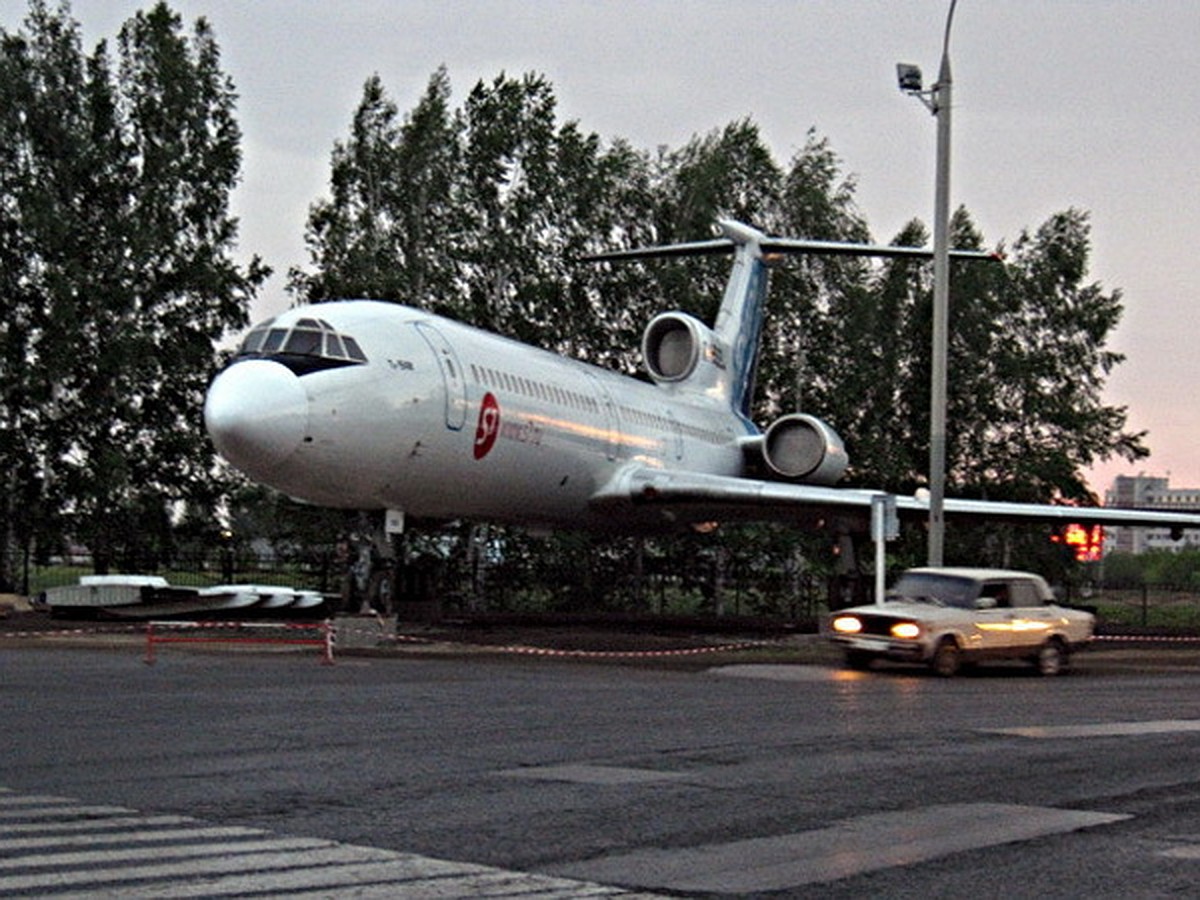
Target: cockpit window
{"type": "Point", "coordinates": [307, 346]}
{"type": "Point", "coordinates": [353, 350]}
{"type": "Point", "coordinates": [304, 342]}
{"type": "Point", "coordinates": [274, 341]}
{"type": "Point", "coordinates": [334, 346]}
{"type": "Point", "coordinates": [254, 340]}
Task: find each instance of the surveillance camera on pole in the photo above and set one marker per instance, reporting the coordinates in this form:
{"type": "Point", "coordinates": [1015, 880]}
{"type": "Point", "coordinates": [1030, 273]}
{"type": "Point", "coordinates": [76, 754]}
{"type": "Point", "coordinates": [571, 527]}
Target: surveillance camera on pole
{"type": "Point", "coordinates": [909, 77]}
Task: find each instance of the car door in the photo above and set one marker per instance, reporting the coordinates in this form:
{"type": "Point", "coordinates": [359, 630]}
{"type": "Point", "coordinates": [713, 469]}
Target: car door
{"type": "Point", "coordinates": [994, 616]}
{"type": "Point", "coordinates": [1032, 618]}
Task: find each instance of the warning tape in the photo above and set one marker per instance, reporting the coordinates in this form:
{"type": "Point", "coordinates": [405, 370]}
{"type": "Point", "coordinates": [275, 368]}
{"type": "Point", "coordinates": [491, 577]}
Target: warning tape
{"type": "Point", "coordinates": [522, 650]}
{"type": "Point", "coordinates": [72, 632]}
{"type": "Point", "coordinates": [630, 654]}
{"type": "Point", "coordinates": [328, 640]}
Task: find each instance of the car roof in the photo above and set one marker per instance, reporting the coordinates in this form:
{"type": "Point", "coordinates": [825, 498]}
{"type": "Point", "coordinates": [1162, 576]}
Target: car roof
{"type": "Point", "coordinates": [973, 574]}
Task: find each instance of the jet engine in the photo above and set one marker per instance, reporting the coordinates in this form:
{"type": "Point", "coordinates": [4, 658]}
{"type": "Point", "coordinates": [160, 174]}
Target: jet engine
{"type": "Point", "coordinates": [673, 345]}
{"type": "Point", "coordinates": [799, 447]}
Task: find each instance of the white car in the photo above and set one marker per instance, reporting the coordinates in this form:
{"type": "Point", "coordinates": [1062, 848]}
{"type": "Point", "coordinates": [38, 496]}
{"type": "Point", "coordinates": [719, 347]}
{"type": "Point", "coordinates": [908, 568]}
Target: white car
{"type": "Point", "coordinates": [944, 617]}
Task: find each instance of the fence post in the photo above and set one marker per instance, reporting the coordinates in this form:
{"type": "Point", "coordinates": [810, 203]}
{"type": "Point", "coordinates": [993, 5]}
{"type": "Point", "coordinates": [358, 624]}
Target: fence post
{"type": "Point", "coordinates": [328, 628]}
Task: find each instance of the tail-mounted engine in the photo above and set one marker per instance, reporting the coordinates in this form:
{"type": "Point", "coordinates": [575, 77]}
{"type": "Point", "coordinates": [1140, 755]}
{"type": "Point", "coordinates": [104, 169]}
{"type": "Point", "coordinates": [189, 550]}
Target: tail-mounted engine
{"type": "Point", "coordinates": [673, 345]}
{"type": "Point", "coordinates": [798, 447]}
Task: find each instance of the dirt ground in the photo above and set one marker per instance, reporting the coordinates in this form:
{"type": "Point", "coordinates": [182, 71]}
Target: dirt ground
{"type": "Point", "coordinates": [669, 644]}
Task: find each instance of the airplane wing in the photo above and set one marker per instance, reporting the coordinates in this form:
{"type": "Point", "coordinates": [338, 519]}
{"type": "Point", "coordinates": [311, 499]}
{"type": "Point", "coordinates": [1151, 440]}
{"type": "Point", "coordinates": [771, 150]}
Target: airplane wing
{"type": "Point", "coordinates": [700, 497]}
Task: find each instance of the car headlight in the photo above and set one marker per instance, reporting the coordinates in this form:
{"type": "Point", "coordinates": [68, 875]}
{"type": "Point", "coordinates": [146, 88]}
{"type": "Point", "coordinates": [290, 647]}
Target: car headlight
{"type": "Point", "coordinates": [847, 625]}
{"type": "Point", "coordinates": [906, 630]}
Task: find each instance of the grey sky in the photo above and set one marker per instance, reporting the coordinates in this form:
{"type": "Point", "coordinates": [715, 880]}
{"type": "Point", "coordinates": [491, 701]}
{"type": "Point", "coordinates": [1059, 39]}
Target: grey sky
{"type": "Point", "coordinates": [1086, 103]}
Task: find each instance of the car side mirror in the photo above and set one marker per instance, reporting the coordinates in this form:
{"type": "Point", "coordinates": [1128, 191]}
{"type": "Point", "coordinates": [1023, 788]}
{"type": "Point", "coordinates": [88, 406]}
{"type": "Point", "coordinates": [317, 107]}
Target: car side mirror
{"type": "Point", "coordinates": [985, 603]}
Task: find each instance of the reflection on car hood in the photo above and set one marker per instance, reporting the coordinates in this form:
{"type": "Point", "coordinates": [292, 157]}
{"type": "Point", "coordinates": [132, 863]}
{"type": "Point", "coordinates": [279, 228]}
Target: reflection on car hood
{"type": "Point", "coordinates": [905, 609]}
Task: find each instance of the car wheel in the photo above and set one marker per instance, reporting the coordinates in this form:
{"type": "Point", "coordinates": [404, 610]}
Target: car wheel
{"type": "Point", "coordinates": [859, 659]}
{"type": "Point", "coordinates": [946, 658]}
{"type": "Point", "coordinates": [1051, 658]}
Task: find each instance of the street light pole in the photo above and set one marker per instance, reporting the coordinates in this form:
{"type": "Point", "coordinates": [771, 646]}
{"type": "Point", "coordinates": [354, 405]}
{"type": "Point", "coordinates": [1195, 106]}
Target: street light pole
{"type": "Point", "coordinates": [937, 100]}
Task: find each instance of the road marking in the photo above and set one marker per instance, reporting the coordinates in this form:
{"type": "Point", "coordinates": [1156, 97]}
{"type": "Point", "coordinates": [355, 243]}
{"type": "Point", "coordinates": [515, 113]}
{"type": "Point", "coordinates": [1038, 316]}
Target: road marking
{"type": "Point", "coordinates": [59, 811]}
{"type": "Point", "coordinates": [1102, 729]}
{"type": "Point", "coordinates": [851, 847]}
{"type": "Point", "coordinates": [85, 825]}
{"type": "Point", "coordinates": [9, 800]}
{"type": "Point", "coordinates": [57, 845]}
{"type": "Point", "coordinates": [584, 774]}
{"type": "Point", "coordinates": [58, 841]}
{"type": "Point", "coordinates": [783, 672]}
{"type": "Point", "coordinates": [122, 855]}
{"type": "Point", "coordinates": [1190, 852]}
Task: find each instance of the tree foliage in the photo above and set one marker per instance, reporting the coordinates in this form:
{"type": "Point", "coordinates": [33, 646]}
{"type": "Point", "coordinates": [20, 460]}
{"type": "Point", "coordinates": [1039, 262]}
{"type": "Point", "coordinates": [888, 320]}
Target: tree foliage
{"type": "Point", "coordinates": [117, 172]}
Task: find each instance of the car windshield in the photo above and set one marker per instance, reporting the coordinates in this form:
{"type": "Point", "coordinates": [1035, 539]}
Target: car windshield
{"type": "Point", "coordinates": [944, 590]}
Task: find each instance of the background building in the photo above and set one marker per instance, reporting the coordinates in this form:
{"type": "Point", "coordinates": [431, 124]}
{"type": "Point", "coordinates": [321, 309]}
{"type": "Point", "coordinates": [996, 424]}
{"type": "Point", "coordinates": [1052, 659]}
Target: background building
{"type": "Point", "coordinates": [1149, 492]}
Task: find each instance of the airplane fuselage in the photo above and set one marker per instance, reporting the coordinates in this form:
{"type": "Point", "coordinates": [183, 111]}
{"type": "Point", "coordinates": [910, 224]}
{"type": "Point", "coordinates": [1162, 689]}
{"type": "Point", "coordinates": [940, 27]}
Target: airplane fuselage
{"type": "Point", "coordinates": [440, 419]}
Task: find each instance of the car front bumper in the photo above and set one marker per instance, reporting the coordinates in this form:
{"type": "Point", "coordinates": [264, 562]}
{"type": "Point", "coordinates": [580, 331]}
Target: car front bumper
{"type": "Point", "coordinates": [902, 651]}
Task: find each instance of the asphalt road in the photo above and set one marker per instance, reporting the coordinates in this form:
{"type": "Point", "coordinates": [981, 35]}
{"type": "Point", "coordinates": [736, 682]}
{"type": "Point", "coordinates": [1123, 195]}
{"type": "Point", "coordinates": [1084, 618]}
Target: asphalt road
{"type": "Point", "coordinates": [803, 781]}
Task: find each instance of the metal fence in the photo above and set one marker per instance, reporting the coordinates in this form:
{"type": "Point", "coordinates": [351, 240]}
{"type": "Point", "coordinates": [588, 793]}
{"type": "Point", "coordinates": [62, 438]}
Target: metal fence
{"type": "Point", "coordinates": [671, 586]}
{"type": "Point", "coordinates": [316, 572]}
{"type": "Point", "coordinates": [533, 584]}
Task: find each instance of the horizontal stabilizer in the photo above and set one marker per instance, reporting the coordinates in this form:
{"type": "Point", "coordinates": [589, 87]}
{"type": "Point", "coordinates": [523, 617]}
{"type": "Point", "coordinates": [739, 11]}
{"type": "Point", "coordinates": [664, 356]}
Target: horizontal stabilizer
{"type": "Point", "coordinates": [769, 245]}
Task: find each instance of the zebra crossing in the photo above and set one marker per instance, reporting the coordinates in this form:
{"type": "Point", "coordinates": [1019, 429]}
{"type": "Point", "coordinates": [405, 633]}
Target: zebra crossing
{"type": "Point", "coordinates": [59, 847]}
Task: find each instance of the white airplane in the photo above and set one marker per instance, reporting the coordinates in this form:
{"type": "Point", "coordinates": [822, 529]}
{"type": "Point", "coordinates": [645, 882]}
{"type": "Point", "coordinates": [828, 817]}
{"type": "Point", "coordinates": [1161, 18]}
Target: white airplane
{"type": "Point", "coordinates": [377, 406]}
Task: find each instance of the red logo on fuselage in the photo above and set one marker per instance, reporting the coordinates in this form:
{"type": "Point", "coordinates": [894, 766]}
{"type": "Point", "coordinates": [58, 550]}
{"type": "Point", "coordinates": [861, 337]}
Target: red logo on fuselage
{"type": "Point", "coordinates": [488, 426]}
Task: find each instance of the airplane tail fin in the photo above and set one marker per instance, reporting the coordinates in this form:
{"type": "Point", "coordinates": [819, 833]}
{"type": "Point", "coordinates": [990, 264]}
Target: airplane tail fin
{"type": "Point", "coordinates": [740, 318]}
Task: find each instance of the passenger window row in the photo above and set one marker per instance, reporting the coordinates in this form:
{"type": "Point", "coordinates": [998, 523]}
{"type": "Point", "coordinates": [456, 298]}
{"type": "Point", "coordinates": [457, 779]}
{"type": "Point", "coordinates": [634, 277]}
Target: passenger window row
{"type": "Point", "coordinates": [530, 387]}
{"type": "Point", "coordinates": [668, 425]}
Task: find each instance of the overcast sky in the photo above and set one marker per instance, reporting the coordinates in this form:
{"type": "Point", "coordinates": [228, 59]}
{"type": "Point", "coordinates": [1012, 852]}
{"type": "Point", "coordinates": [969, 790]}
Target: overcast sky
{"type": "Point", "coordinates": [1093, 104]}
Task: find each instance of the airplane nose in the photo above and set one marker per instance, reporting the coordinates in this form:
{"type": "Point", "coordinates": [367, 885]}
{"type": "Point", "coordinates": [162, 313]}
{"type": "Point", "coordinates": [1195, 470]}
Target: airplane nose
{"type": "Point", "coordinates": [256, 413]}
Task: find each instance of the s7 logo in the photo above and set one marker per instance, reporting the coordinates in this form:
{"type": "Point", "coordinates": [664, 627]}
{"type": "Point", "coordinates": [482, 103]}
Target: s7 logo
{"type": "Point", "coordinates": [488, 426]}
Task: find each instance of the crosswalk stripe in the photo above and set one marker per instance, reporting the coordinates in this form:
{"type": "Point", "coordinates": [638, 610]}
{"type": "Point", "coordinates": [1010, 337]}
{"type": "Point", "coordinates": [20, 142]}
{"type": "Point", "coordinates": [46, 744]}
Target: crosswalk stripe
{"type": "Point", "coordinates": [50, 812]}
{"type": "Point", "coordinates": [9, 801]}
{"type": "Point", "coordinates": [110, 823]}
{"type": "Point", "coordinates": [177, 852]}
{"type": "Point", "coordinates": [142, 836]}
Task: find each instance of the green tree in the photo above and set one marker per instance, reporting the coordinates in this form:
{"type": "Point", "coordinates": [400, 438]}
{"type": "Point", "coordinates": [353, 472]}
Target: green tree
{"type": "Point", "coordinates": [387, 230]}
{"type": "Point", "coordinates": [1045, 364]}
{"type": "Point", "coordinates": [20, 462]}
{"type": "Point", "coordinates": [121, 177]}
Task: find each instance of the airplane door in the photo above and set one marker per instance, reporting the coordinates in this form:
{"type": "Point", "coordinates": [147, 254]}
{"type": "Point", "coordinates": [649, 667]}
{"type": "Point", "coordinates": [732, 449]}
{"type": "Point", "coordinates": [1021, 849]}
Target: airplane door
{"type": "Point", "coordinates": [676, 435]}
{"type": "Point", "coordinates": [452, 375]}
{"type": "Point", "coordinates": [612, 423]}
